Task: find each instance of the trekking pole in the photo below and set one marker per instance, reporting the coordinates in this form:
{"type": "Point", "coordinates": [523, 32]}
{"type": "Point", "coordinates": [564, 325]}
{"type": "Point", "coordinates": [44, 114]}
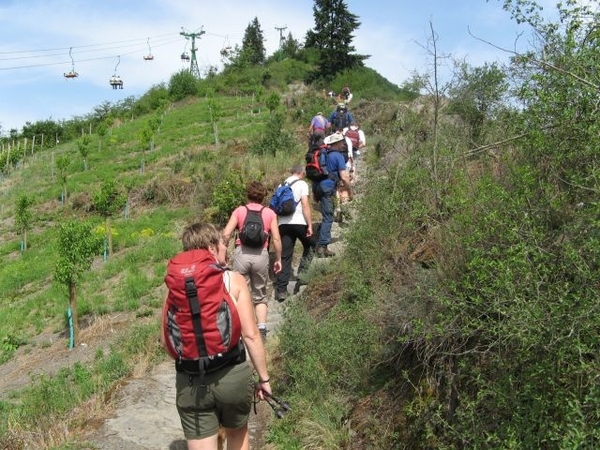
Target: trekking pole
{"type": "Point", "coordinates": [284, 405]}
{"type": "Point", "coordinates": [279, 407]}
{"type": "Point", "coordinates": [279, 412]}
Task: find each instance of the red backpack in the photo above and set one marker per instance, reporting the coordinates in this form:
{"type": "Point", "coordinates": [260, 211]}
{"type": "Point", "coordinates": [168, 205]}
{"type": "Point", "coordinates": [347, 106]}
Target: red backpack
{"type": "Point", "coordinates": [316, 163]}
{"type": "Point", "coordinates": [201, 324]}
{"type": "Point", "coordinates": [354, 136]}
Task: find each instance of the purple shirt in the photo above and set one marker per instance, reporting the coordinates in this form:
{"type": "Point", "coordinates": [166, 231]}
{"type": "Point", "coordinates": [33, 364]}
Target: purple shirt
{"type": "Point", "coordinates": [319, 123]}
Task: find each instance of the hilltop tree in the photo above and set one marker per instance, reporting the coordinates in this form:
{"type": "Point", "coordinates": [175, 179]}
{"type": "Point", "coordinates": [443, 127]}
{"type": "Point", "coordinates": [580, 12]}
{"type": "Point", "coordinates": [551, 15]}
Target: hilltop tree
{"type": "Point", "coordinates": [252, 52]}
{"type": "Point", "coordinates": [332, 38]}
{"type": "Point", "coordinates": [253, 48]}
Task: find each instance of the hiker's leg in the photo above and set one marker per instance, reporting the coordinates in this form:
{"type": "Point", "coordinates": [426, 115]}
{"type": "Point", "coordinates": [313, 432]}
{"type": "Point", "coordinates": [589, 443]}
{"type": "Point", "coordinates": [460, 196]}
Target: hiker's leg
{"type": "Point", "coordinates": [259, 275]}
{"type": "Point", "coordinates": [237, 438]}
{"type": "Point", "coordinates": [241, 263]}
{"type": "Point", "coordinates": [287, 251]}
{"type": "Point", "coordinates": [209, 443]}
{"type": "Point", "coordinates": [327, 215]}
{"type": "Point", "coordinates": [307, 248]}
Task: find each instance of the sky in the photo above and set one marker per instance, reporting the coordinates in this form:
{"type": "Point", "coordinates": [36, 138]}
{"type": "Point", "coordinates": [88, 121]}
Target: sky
{"type": "Point", "coordinates": [41, 40]}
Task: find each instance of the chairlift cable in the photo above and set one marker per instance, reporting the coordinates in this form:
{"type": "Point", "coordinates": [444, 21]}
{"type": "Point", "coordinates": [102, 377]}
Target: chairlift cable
{"type": "Point", "coordinates": [31, 66]}
{"type": "Point", "coordinates": [81, 46]}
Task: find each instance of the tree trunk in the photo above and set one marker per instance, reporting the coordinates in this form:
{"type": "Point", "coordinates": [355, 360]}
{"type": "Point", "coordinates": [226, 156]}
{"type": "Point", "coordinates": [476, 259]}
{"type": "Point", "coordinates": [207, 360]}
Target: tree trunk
{"type": "Point", "coordinates": [108, 235]}
{"type": "Point", "coordinates": [73, 304]}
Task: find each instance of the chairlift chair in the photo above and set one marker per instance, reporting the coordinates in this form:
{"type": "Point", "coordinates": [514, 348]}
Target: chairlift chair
{"type": "Point", "coordinates": [115, 81]}
{"type": "Point", "coordinates": [185, 56]}
{"type": "Point", "coordinates": [71, 73]}
{"type": "Point", "coordinates": [149, 56]}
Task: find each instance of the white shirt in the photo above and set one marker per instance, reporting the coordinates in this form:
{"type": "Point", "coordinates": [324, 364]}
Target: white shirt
{"type": "Point", "coordinates": [300, 189]}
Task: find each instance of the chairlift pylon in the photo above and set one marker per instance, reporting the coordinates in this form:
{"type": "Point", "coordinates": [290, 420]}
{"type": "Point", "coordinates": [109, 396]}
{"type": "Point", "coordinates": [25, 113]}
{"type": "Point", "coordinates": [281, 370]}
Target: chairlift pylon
{"type": "Point", "coordinates": [115, 81]}
{"type": "Point", "coordinates": [149, 56]}
{"type": "Point", "coordinates": [72, 73]}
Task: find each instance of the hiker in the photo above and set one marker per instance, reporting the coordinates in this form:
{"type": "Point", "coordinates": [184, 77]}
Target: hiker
{"type": "Point", "coordinates": [250, 261]}
{"type": "Point", "coordinates": [222, 397]}
{"type": "Point", "coordinates": [340, 118]}
{"type": "Point", "coordinates": [324, 190]}
{"type": "Point", "coordinates": [346, 95]}
{"type": "Point", "coordinates": [343, 191]}
{"type": "Point", "coordinates": [297, 226]}
{"type": "Point", "coordinates": [357, 136]}
{"type": "Point", "coordinates": [317, 129]}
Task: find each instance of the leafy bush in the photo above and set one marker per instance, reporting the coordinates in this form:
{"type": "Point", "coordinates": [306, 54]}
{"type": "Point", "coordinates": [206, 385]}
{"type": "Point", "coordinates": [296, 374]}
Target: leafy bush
{"type": "Point", "coordinates": [182, 84]}
{"type": "Point", "coordinates": [151, 100]}
{"type": "Point", "coordinates": [275, 139]}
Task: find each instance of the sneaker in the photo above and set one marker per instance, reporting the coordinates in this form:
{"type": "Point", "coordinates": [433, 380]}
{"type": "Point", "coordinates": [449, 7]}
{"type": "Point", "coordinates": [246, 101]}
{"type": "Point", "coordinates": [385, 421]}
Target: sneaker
{"type": "Point", "coordinates": [281, 296]}
{"type": "Point", "coordinates": [263, 334]}
{"type": "Point", "coordinates": [324, 252]}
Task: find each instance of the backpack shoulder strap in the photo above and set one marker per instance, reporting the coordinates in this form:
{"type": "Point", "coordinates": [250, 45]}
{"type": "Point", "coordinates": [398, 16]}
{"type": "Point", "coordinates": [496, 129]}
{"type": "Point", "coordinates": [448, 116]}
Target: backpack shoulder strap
{"type": "Point", "coordinates": [191, 292]}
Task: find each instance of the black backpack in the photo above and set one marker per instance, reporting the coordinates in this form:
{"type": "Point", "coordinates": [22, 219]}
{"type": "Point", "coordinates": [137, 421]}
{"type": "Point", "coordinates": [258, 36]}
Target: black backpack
{"type": "Point", "coordinates": [340, 120]}
{"type": "Point", "coordinates": [253, 232]}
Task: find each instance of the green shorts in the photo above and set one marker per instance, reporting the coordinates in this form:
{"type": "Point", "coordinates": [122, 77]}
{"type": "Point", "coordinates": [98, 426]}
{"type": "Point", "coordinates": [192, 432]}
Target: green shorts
{"type": "Point", "coordinates": [225, 399]}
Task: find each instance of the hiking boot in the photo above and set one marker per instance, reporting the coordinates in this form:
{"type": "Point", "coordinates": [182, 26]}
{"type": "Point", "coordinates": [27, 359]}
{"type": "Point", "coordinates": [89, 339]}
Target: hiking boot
{"type": "Point", "coordinates": [281, 296]}
{"type": "Point", "coordinates": [339, 216]}
{"type": "Point", "coordinates": [324, 252]}
{"type": "Point", "coordinates": [263, 334]}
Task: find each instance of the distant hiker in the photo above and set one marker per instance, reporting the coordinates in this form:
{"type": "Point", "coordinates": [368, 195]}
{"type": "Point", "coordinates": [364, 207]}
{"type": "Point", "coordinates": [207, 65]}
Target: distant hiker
{"type": "Point", "coordinates": [317, 129]}
{"type": "Point", "coordinates": [343, 190]}
{"type": "Point", "coordinates": [357, 136]}
{"type": "Point", "coordinates": [324, 191]}
{"type": "Point", "coordinates": [346, 95]}
{"type": "Point", "coordinates": [251, 259]}
{"type": "Point", "coordinates": [212, 389]}
{"type": "Point", "coordinates": [340, 118]}
{"type": "Point", "coordinates": [292, 227]}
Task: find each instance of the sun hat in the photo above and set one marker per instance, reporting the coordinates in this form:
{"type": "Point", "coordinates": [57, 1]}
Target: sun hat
{"type": "Point", "coordinates": [333, 138]}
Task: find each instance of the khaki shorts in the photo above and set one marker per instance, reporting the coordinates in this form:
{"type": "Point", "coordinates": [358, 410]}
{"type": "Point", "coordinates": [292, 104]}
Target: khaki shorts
{"type": "Point", "coordinates": [225, 398]}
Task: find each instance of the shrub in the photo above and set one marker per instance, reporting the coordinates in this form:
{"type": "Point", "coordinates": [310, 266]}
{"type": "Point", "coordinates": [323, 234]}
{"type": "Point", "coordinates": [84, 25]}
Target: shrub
{"type": "Point", "coordinates": [181, 85]}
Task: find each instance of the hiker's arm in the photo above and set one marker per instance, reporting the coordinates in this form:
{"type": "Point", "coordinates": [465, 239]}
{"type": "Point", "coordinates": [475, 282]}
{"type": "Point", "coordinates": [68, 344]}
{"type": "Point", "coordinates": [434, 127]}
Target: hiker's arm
{"type": "Point", "coordinates": [229, 229]}
{"type": "Point", "coordinates": [277, 244]}
{"type": "Point", "coordinates": [307, 214]}
{"type": "Point", "coordinates": [346, 179]}
{"type": "Point", "coordinates": [250, 333]}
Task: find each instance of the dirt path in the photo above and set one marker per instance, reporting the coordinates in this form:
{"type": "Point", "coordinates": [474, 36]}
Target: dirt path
{"type": "Point", "coordinates": [145, 417]}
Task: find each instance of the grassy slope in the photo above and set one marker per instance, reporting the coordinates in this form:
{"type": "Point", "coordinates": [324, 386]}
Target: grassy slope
{"type": "Point", "coordinates": [29, 301]}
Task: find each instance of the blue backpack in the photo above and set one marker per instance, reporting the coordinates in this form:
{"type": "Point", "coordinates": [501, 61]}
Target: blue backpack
{"type": "Point", "coordinates": [283, 202]}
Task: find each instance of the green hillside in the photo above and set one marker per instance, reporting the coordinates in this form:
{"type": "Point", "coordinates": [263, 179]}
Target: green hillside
{"type": "Point", "coordinates": [464, 312]}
